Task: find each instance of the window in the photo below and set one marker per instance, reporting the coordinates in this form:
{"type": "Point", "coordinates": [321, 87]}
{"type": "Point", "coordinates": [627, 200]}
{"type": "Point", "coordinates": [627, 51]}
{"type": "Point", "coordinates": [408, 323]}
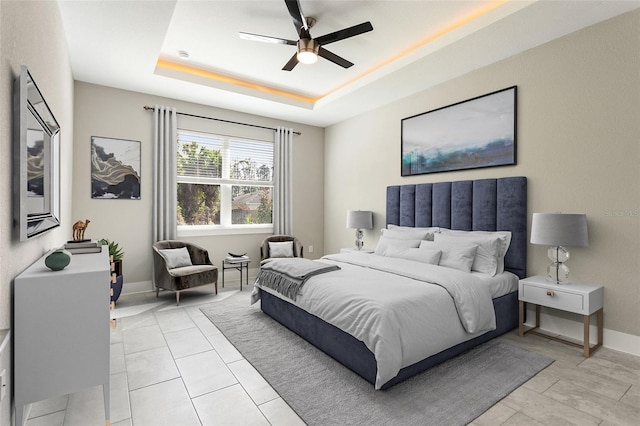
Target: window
{"type": "Point", "coordinates": [224, 182]}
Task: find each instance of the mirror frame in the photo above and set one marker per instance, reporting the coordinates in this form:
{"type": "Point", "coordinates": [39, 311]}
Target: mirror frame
{"type": "Point", "coordinates": [36, 161]}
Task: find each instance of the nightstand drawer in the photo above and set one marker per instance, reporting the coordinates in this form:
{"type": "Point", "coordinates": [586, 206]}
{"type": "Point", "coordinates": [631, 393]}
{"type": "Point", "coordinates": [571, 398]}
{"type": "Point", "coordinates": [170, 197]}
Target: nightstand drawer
{"type": "Point", "coordinates": [553, 298]}
{"type": "Point", "coordinates": [579, 298]}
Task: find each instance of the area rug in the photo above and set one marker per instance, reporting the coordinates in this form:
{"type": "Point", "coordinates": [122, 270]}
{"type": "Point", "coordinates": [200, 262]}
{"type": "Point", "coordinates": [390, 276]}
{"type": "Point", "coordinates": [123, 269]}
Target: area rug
{"type": "Point", "coordinates": [323, 392]}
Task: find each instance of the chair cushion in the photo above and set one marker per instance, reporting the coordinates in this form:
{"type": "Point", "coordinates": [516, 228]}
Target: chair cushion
{"type": "Point", "coordinates": [191, 270]}
{"type": "Point", "coordinates": [193, 276]}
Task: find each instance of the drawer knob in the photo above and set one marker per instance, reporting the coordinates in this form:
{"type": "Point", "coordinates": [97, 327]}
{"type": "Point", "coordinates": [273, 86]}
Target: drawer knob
{"type": "Point", "coordinates": [550, 293]}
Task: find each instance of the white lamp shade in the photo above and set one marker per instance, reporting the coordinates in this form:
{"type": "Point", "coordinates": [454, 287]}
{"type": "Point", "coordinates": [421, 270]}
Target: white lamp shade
{"type": "Point", "coordinates": [559, 229]}
{"type": "Point", "coordinates": [359, 219]}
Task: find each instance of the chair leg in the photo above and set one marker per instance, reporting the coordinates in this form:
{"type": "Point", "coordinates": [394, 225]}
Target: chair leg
{"type": "Point", "coordinates": [157, 291]}
{"type": "Point", "coordinates": [216, 285]}
{"type": "Point", "coordinates": [177, 298]}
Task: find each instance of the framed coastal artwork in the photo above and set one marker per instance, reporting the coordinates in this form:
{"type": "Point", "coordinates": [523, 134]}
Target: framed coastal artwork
{"type": "Point", "coordinates": [476, 133]}
{"type": "Point", "coordinates": [115, 168]}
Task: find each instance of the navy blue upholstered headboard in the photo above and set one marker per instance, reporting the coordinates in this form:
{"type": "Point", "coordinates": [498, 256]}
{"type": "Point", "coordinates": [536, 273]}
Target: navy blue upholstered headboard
{"type": "Point", "coordinates": [470, 205]}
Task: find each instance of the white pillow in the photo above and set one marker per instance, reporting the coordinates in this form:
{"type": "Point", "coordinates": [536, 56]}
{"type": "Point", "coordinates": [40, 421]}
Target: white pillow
{"type": "Point", "coordinates": [408, 233]}
{"type": "Point", "coordinates": [492, 247]}
{"type": "Point", "coordinates": [176, 258]}
{"type": "Point", "coordinates": [385, 242]}
{"type": "Point", "coordinates": [423, 255]}
{"type": "Point", "coordinates": [505, 236]}
{"type": "Point", "coordinates": [456, 256]}
{"type": "Point", "coordinates": [283, 249]}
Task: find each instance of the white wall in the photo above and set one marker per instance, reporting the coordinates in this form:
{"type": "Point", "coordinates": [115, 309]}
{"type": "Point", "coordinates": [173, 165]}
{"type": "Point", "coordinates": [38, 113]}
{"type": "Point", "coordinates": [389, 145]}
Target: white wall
{"type": "Point", "coordinates": [31, 34]}
{"type": "Point", "coordinates": [577, 142]}
{"type": "Point", "coordinates": [108, 112]}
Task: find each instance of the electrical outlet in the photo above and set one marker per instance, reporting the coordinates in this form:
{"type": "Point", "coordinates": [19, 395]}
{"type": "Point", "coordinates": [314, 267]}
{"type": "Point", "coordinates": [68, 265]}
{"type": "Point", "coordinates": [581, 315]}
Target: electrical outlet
{"type": "Point", "coordinates": [3, 384]}
{"type": "Point", "coordinates": [310, 249]}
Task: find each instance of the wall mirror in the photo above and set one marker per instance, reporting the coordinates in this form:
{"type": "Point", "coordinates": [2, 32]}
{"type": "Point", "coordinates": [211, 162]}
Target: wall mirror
{"type": "Point", "coordinates": [36, 161]}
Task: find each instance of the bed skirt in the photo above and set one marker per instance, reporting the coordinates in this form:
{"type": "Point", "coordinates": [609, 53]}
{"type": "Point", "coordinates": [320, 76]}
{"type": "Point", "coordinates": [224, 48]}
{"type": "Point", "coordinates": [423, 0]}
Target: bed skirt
{"type": "Point", "coordinates": [354, 354]}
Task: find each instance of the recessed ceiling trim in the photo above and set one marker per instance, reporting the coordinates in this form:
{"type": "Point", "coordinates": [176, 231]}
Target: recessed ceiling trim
{"type": "Point", "coordinates": [95, 27]}
{"type": "Point", "coordinates": [197, 75]}
{"type": "Point", "coordinates": [459, 23]}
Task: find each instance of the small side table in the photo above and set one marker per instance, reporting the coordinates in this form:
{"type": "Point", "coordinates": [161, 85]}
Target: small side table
{"type": "Point", "coordinates": [239, 264]}
{"type": "Point", "coordinates": [579, 298]}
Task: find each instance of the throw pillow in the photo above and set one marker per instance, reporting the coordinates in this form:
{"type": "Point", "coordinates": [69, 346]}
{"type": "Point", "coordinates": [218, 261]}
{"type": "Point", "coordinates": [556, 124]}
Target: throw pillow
{"type": "Point", "coordinates": [385, 242]}
{"type": "Point", "coordinates": [176, 258]}
{"type": "Point", "coordinates": [454, 256]}
{"type": "Point", "coordinates": [283, 249]}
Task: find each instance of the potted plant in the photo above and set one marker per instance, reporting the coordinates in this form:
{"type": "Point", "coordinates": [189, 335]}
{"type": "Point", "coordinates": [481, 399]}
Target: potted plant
{"type": "Point", "coordinates": [115, 254]}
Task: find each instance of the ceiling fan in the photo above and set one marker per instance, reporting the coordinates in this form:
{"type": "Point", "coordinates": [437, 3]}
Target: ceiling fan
{"type": "Point", "coordinates": [308, 48]}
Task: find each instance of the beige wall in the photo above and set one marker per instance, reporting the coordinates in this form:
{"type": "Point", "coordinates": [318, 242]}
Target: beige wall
{"type": "Point", "coordinates": [577, 140]}
{"type": "Point", "coordinates": [30, 34]}
{"type": "Point", "coordinates": [108, 112]}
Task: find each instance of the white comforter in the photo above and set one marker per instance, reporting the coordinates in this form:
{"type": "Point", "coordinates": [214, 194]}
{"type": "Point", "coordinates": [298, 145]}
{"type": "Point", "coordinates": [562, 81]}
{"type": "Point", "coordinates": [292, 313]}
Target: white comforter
{"type": "Point", "coordinates": [394, 307]}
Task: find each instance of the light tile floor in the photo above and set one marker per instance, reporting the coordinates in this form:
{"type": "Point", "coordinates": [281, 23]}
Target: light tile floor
{"type": "Point", "coordinates": [171, 366]}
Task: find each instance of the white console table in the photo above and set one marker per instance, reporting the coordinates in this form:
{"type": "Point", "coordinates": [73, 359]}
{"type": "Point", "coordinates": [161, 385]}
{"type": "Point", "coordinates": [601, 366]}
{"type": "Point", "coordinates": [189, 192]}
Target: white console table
{"type": "Point", "coordinates": [61, 330]}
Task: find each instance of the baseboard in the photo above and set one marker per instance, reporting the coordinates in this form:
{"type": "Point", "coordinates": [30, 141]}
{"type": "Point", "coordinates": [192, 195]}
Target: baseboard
{"type": "Point", "coordinates": [612, 339]}
{"type": "Point", "coordinates": [137, 287]}
{"type": "Point", "coordinates": [143, 286]}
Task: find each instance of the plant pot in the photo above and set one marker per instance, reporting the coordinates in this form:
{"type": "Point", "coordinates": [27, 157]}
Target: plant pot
{"type": "Point", "coordinates": [117, 288]}
{"type": "Point", "coordinates": [117, 267]}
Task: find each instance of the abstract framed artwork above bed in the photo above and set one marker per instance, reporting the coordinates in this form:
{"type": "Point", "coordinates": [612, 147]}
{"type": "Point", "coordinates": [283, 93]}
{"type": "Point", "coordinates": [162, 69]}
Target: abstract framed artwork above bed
{"type": "Point", "coordinates": [476, 133]}
{"type": "Point", "coordinates": [481, 205]}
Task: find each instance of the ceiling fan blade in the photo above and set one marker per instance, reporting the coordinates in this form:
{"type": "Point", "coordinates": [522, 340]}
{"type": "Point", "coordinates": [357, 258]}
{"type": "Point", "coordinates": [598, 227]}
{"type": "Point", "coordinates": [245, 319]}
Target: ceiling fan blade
{"type": "Point", "coordinates": [266, 39]}
{"type": "Point", "coordinates": [345, 33]}
{"type": "Point", "coordinates": [292, 63]}
{"type": "Point", "coordinates": [334, 58]}
{"type": "Point", "coordinates": [296, 14]}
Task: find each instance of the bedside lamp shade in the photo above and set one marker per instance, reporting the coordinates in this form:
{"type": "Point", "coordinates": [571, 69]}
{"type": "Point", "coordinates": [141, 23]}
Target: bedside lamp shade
{"type": "Point", "coordinates": [359, 220]}
{"type": "Point", "coordinates": [559, 230]}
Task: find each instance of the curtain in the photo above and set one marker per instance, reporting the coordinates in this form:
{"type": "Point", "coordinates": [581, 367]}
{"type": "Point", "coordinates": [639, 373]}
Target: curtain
{"type": "Point", "coordinates": [282, 182]}
{"type": "Point", "coordinates": [165, 140]}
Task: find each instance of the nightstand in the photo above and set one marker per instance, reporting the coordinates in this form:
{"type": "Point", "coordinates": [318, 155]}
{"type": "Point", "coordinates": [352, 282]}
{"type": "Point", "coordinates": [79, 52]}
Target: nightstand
{"type": "Point", "coordinates": [579, 298]}
{"type": "Point", "coordinates": [355, 250]}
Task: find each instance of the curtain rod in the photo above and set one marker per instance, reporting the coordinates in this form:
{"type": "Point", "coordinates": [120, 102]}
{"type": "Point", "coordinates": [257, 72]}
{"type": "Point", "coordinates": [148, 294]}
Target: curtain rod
{"type": "Point", "coordinates": [224, 121]}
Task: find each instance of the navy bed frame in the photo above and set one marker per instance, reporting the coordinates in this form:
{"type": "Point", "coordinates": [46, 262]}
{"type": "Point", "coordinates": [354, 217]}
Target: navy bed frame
{"type": "Point", "coordinates": [478, 205]}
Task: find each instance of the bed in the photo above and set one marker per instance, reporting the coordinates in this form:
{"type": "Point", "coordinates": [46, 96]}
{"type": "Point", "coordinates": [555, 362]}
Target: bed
{"type": "Point", "coordinates": [479, 205]}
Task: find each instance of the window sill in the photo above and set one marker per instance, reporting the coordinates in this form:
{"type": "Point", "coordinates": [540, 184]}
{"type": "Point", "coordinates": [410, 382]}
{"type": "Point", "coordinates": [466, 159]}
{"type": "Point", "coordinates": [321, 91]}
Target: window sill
{"type": "Point", "coordinates": [200, 231]}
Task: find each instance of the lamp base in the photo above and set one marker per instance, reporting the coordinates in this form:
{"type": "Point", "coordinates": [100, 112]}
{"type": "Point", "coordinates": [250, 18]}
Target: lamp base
{"type": "Point", "coordinates": [558, 272]}
{"type": "Point", "coordinates": [359, 240]}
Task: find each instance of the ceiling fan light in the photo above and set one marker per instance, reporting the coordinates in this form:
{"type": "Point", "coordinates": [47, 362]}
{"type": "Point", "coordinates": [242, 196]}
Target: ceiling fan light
{"type": "Point", "coordinates": [307, 57]}
{"type": "Point", "coordinates": [307, 51]}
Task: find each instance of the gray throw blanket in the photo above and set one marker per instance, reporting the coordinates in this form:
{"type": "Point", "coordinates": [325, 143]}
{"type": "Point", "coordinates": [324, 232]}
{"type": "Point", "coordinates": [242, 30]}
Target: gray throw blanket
{"type": "Point", "coordinates": [287, 276]}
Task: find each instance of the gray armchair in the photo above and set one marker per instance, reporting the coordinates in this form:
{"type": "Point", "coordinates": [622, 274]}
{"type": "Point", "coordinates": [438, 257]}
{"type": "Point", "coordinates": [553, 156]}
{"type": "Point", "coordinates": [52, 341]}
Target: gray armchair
{"type": "Point", "coordinates": [175, 274]}
{"type": "Point", "coordinates": [265, 254]}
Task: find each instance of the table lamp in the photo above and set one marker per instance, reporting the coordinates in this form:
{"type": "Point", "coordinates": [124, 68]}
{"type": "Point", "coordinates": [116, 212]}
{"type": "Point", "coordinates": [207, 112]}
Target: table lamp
{"type": "Point", "coordinates": [359, 220]}
{"type": "Point", "coordinates": [559, 230]}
